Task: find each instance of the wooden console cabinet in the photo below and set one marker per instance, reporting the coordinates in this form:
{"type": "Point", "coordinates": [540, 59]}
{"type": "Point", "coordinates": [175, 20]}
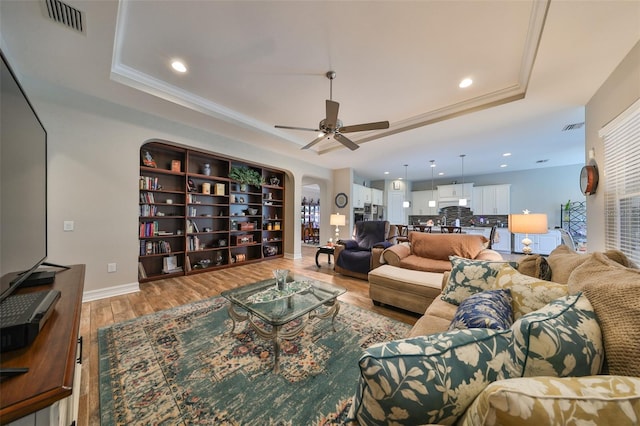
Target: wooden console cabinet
{"type": "Point", "coordinates": [49, 391]}
{"type": "Point", "coordinates": [195, 219]}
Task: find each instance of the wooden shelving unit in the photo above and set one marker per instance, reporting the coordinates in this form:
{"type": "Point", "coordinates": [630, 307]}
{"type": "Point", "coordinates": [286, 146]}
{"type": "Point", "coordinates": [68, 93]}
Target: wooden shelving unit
{"type": "Point", "coordinates": [193, 218]}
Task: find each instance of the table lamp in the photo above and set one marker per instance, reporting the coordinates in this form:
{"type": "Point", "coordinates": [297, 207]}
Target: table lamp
{"type": "Point", "coordinates": [528, 223]}
{"type": "Point", "coordinates": [337, 220]}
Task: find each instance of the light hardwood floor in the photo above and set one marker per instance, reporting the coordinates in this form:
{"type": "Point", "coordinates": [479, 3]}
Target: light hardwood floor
{"type": "Point", "coordinates": [168, 293]}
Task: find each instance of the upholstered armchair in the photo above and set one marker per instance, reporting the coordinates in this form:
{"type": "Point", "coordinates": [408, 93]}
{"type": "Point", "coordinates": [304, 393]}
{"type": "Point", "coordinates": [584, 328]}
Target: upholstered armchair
{"type": "Point", "coordinates": [353, 257]}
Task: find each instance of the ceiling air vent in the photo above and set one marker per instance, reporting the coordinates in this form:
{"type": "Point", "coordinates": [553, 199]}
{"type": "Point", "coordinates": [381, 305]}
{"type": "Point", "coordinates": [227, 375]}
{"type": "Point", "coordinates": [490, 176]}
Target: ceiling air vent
{"type": "Point", "coordinates": [574, 126]}
{"type": "Point", "coordinates": [66, 15]}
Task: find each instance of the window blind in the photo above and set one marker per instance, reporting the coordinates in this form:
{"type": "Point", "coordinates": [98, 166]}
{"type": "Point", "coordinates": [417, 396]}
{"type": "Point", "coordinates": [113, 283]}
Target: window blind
{"type": "Point", "coordinates": [622, 188]}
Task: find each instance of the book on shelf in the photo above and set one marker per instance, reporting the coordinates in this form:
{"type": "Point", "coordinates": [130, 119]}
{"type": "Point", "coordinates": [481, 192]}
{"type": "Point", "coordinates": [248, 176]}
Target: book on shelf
{"type": "Point", "coordinates": [142, 273]}
{"type": "Point", "coordinates": [170, 265]}
{"type": "Point", "coordinates": [149, 183]}
{"type": "Point", "coordinates": [154, 247]}
{"type": "Point", "coordinates": [146, 197]}
{"type": "Point", "coordinates": [187, 264]}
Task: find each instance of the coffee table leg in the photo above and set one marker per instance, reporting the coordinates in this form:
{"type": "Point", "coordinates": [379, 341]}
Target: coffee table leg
{"type": "Point", "coordinates": [236, 316]}
{"type": "Point", "coordinates": [317, 254]}
{"type": "Point", "coordinates": [334, 308]}
{"type": "Point", "coordinates": [276, 350]}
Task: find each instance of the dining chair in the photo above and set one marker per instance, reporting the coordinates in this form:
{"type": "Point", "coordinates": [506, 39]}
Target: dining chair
{"type": "Point", "coordinates": [451, 229]}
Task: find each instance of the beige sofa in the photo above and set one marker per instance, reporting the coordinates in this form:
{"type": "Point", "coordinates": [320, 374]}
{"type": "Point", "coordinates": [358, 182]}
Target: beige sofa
{"type": "Point", "coordinates": [407, 381]}
{"type": "Point", "coordinates": [409, 276]}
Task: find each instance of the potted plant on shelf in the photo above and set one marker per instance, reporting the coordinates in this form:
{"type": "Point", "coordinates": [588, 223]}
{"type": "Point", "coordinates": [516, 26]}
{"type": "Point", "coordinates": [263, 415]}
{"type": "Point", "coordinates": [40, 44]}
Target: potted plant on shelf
{"type": "Point", "coordinates": [245, 176]}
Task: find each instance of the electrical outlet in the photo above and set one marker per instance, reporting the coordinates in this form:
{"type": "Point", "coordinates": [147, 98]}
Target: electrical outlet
{"type": "Point", "coordinates": [111, 267]}
{"type": "Point", "coordinates": [68, 225]}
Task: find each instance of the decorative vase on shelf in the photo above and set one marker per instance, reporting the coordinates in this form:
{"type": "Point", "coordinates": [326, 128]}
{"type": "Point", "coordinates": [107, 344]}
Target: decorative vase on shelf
{"type": "Point", "coordinates": [243, 187]}
{"type": "Point", "coordinates": [274, 181]}
{"type": "Point", "coordinates": [206, 170]}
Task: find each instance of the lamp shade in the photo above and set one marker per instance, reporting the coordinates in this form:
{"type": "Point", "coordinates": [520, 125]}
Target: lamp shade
{"type": "Point", "coordinates": [337, 219]}
{"type": "Point", "coordinates": [528, 223]}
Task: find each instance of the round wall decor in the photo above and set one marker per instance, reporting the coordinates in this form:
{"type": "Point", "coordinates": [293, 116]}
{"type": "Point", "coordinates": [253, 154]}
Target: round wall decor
{"type": "Point", "coordinates": [341, 200]}
{"type": "Point", "coordinates": [589, 179]}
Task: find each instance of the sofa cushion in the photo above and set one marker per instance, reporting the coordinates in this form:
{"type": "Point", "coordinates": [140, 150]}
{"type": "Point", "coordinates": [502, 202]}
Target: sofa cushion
{"type": "Point", "coordinates": [614, 292]}
{"type": "Point", "coordinates": [429, 379]}
{"type": "Point", "coordinates": [487, 309]}
{"type": "Point", "coordinates": [441, 246]}
{"type": "Point", "coordinates": [536, 401]}
{"type": "Point", "coordinates": [469, 277]}
{"type": "Point", "coordinates": [561, 339]}
{"type": "Point", "coordinates": [535, 266]}
{"type": "Point", "coordinates": [528, 293]}
{"type": "Point", "coordinates": [418, 263]}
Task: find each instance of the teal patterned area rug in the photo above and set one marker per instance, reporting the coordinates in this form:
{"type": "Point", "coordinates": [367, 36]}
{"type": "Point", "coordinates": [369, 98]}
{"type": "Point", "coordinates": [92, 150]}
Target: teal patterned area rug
{"type": "Point", "coordinates": [183, 366]}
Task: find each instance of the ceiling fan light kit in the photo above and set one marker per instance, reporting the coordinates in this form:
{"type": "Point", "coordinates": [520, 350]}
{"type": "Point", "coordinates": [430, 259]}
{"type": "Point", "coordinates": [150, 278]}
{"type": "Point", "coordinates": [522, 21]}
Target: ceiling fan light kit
{"type": "Point", "coordinates": [331, 125]}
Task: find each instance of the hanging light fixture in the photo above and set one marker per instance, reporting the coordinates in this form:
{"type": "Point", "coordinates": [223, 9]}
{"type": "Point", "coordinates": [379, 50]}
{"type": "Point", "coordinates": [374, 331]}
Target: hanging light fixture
{"type": "Point", "coordinates": [406, 204]}
{"type": "Point", "coordinates": [432, 202]}
{"type": "Point", "coordinates": [462, 201]}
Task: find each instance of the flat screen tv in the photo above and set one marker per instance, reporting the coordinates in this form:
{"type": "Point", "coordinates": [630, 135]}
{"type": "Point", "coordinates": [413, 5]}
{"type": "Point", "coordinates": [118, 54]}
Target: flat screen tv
{"type": "Point", "coordinates": [23, 184]}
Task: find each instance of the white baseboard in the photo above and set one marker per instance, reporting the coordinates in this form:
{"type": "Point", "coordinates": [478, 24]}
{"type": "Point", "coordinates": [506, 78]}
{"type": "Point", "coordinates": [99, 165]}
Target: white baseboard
{"type": "Point", "coordinates": [89, 296]}
{"type": "Point", "coordinates": [293, 256]}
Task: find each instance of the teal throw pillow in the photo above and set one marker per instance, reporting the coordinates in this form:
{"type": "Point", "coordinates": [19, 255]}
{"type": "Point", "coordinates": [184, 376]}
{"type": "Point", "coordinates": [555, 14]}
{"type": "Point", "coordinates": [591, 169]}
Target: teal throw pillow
{"type": "Point", "coordinates": [487, 309]}
{"type": "Point", "coordinates": [429, 379]}
{"type": "Point", "coordinates": [562, 339]}
{"type": "Point", "coordinates": [470, 276]}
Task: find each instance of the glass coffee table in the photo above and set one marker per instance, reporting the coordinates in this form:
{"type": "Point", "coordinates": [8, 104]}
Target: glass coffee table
{"type": "Point", "coordinates": [275, 308]}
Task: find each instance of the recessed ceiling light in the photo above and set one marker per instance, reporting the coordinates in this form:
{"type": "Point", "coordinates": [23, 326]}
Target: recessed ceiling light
{"type": "Point", "coordinates": [506, 154]}
{"type": "Point", "coordinates": [178, 66]}
{"type": "Point", "coordinates": [465, 83]}
{"type": "Point", "coordinates": [441, 174]}
{"type": "Point", "coordinates": [503, 165]}
{"type": "Point", "coordinates": [386, 173]}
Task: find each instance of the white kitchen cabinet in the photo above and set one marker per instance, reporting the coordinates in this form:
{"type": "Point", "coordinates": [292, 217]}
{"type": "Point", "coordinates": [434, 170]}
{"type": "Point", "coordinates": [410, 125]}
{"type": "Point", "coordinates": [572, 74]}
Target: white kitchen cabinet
{"type": "Point", "coordinates": [504, 240]}
{"type": "Point", "coordinates": [447, 192]}
{"type": "Point", "coordinates": [420, 203]}
{"type": "Point", "coordinates": [476, 201]}
{"type": "Point", "coordinates": [541, 243]}
{"type": "Point", "coordinates": [361, 195]}
{"type": "Point", "coordinates": [377, 197]}
{"type": "Point", "coordinates": [492, 200]}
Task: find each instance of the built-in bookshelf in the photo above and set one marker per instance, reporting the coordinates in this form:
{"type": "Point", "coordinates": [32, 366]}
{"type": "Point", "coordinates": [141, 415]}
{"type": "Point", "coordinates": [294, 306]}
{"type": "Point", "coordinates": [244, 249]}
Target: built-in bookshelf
{"type": "Point", "coordinates": [193, 218]}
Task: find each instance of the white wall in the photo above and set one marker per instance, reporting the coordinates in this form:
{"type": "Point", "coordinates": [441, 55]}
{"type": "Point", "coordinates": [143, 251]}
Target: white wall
{"type": "Point", "coordinates": [618, 92]}
{"type": "Point", "coordinates": [93, 180]}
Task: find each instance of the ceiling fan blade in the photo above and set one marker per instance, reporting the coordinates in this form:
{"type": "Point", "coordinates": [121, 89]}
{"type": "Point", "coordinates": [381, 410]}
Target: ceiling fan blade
{"type": "Point", "coordinates": [346, 141]}
{"type": "Point", "coordinates": [315, 141]}
{"type": "Point", "coordinates": [367, 126]}
{"type": "Point", "coordinates": [296, 128]}
{"type": "Point", "coordinates": [332, 114]}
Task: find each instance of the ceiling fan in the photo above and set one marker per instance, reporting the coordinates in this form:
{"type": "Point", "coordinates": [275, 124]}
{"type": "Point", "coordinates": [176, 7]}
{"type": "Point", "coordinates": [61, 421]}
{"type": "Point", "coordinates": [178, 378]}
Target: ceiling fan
{"type": "Point", "coordinates": [331, 125]}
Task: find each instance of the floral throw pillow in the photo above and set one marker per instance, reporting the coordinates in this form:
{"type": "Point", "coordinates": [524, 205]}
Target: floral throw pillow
{"type": "Point", "coordinates": [429, 379]}
{"type": "Point", "coordinates": [469, 276]}
{"type": "Point", "coordinates": [487, 309]}
{"type": "Point", "coordinates": [529, 294]}
{"type": "Point", "coordinates": [592, 400]}
{"type": "Point", "coordinates": [561, 339]}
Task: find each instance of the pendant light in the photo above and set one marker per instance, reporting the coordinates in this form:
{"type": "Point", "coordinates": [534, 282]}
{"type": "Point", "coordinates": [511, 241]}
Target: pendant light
{"type": "Point", "coordinates": [406, 204]}
{"type": "Point", "coordinates": [432, 201]}
{"type": "Point", "coordinates": [462, 201]}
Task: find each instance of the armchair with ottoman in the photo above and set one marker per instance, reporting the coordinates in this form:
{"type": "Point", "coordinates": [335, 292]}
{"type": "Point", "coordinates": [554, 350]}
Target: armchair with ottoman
{"type": "Point", "coordinates": [354, 257]}
{"type": "Point", "coordinates": [503, 346]}
{"type": "Point", "coordinates": [409, 276]}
